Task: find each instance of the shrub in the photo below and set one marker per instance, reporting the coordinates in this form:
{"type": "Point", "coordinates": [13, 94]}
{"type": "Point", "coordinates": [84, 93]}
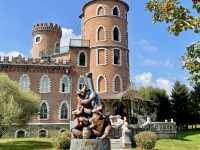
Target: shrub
{"type": "Point", "coordinates": [146, 140]}
{"type": "Point", "coordinates": [63, 140]}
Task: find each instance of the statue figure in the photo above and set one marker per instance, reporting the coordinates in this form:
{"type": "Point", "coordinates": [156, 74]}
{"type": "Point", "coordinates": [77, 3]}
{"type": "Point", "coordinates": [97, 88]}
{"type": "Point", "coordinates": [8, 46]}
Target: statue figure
{"type": "Point", "coordinates": [89, 120]}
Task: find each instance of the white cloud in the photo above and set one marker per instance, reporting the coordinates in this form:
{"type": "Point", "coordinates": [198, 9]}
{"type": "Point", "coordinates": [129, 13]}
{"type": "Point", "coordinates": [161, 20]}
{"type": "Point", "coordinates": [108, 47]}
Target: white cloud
{"type": "Point", "coordinates": [11, 54]}
{"type": "Point", "coordinates": [164, 84]}
{"type": "Point", "coordinates": [146, 79]}
{"type": "Point", "coordinates": [145, 46]}
{"type": "Point", "coordinates": [68, 34]}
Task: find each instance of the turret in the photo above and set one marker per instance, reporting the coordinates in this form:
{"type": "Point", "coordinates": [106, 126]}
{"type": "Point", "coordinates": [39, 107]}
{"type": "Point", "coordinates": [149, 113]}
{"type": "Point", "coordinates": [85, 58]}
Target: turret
{"type": "Point", "coordinates": [46, 39]}
{"type": "Point", "coordinates": [104, 23]}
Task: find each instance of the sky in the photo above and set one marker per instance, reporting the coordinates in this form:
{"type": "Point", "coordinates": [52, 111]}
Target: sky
{"type": "Point", "coordinates": [155, 54]}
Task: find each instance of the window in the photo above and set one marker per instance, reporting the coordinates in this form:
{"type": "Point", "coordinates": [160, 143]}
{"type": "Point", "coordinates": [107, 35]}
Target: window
{"type": "Point", "coordinates": [37, 39]}
{"type": "Point", "coordinates": [44, 84]}
{"type": "Point", "coordinates": [116, 11]}
{"type": "Point", "coordinates": [81, 83]}
{"type": "Point", "coordinates": [116, 34]}
{"type": "Point", "coordinates": [57, 48]}
{"type": "Point", "coordinates": [117, 57]}
{"type": "Point", "coordinates": [101, 83]}
{"type": "Point", "coordinates": [117, 84]}
{"type": "Point", "coordinates": [65, 84]}
{"type": "Point", "coordinates": [43, 133]}
{"type": "Point", "coordinates": [44, 110]}
{"type": "Point", "coordinates": [127, 57]}
{"type": "Point", "coordinates": [100, 34]}
{"type": "Point", "coordinates": [100, 11]}
{"type": "Point", "coordinates": [63, 111]}
{"type": "Point", "coordinates": [24, 82]}
{"type": "Point", "coordinates": [82, 59]}
{"type": "Point", "coordinates": [101, 56]}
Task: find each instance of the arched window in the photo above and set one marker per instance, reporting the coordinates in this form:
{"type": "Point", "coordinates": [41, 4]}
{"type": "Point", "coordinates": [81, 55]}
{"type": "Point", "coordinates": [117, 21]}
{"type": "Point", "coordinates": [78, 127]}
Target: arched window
{"type": "Point", "coordinates": [116, 34]}
{"type": "Point", "coordinates": [44, 84]}
{"type": "Point", "coordinates": [65, 84]}
{"type": "Point", "coordinates": [82, 59]}
{"type": "Point", "coordinates": [100, 34]}
{"type": "Point", "coordinates": [117, 84]}
{"type": "Point", "coordinates": [81, 83]}
{"type": "Point", "coordinates": [100, 11]}
{"type": "Point", "coordinates": [24, 82]}
{"type": "Point", "coordinates": [101, 84]}
{"type": "Point", "coordinates": [20, 133]}
{"type": "Point", "coordinates": [116, 11]}
{"type": "Point", "coordinates": [43, 133]}
{"type": "Point", "coordinates": [44, 112]}
{"type": "Point", "coordinates": [63, 111]}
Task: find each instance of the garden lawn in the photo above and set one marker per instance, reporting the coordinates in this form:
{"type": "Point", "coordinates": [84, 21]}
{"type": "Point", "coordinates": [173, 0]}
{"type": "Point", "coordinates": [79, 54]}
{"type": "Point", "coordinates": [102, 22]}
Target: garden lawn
{"type": "Point", "coordinates": [27, 144]}
{"type": "Point", "coordinates": [186, 140]}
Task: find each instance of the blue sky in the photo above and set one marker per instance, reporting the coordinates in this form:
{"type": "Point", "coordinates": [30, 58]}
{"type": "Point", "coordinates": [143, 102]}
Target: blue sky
{"type": "Point", "coordinates": [155, 55]}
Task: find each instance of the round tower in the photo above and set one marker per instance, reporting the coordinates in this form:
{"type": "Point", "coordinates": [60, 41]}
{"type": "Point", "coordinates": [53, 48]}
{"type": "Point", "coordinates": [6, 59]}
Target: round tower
{"type": "Point", "coordinates": [104, 23]}
{"type": "Point", "coordinates": [46, 39]}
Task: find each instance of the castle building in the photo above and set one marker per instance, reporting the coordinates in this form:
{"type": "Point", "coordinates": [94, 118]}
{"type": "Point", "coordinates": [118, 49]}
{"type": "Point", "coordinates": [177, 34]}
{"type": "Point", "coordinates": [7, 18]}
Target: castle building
{"type": "Point", "coordinates": [55, 73]}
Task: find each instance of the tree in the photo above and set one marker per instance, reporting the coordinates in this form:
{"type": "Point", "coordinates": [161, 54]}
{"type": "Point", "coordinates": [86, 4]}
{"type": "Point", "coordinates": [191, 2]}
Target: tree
{"type": "Point", "coordinates": [178, 17]}
{"type": "Point", "coordinates": [191, 62]}
{"type": "Point", "coordinates": [195, 105]}
{"type": "Point", "coordinates": [160, 98]}
{"type": "Point", "coordinates": [180, 104]}
{"type": "Point", "coordinates": [16, 106]}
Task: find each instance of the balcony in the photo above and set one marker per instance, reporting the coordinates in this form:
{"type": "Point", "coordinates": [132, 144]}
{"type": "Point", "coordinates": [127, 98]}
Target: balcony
{"type": "Point", "coordinates": [79, 43]}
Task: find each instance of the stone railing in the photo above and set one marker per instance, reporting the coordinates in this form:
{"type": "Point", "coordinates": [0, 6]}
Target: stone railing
{"type": "Point", "coordinates": [79, 43]}
{"type": "Point", "coordinates": [162, 129]}
{"type": "Point", "coordinates": [29, 61]}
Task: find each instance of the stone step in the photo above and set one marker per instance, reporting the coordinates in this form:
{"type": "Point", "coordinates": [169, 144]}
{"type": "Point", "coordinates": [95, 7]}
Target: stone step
{"type": "Point", "coordinates": [115, 143]}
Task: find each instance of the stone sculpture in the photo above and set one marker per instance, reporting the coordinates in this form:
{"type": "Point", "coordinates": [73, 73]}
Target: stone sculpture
{"type": "Point", "coordinates": [89, 120]}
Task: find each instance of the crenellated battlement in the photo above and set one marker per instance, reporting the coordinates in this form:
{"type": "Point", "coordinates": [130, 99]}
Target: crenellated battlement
{"type": "Point", "coordinates": [44, 27]}
{"type": "Point", "coordinates": [29, 61]}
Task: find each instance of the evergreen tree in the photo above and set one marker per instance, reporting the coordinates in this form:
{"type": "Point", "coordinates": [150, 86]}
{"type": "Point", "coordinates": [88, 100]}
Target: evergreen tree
{"type": "Point", "coordinates": [180, 104]}
{"type": "Point", "coordinates": [160, 98]}
{"type": "Point", "coordinates": [195, 105]}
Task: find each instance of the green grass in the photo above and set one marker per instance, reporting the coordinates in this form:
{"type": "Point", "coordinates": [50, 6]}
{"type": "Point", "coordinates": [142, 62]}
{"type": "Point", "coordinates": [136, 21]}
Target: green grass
{"type": "Point", "coordinates": [27, 144]}
{"type": "Point", "coordinates": [187, 140]}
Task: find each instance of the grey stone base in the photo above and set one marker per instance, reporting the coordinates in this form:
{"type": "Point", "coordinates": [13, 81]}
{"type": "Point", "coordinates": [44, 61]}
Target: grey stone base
{"type": "Point", "coordinates": [90, 144]}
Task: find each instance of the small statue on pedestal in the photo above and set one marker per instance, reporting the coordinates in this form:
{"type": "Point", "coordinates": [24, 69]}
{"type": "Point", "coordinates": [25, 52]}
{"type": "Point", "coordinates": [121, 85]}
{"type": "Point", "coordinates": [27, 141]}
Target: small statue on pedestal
{"type": "Point", "coordinates": [89, 120]}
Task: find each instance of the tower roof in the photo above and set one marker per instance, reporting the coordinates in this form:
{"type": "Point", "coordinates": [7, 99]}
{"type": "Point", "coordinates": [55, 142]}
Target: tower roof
{"type": "Point", "coordinates": [92, 1]}
{"type": "Point", "coordinates": [41, 27]}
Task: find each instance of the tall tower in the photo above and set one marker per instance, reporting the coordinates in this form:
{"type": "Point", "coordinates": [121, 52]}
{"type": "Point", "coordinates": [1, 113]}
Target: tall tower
{"type": "Point", "coordinates": [46, 39]}
{"type": "Point", "coordinates": [104, 23]}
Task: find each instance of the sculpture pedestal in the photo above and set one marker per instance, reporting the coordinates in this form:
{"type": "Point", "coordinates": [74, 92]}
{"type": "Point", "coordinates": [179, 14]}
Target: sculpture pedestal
{"type": "Point", "coordinates": [90, 144]}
